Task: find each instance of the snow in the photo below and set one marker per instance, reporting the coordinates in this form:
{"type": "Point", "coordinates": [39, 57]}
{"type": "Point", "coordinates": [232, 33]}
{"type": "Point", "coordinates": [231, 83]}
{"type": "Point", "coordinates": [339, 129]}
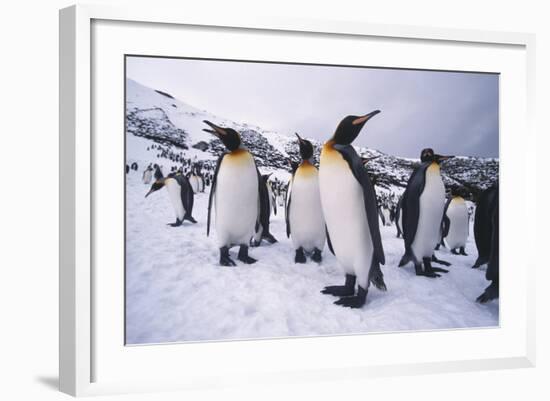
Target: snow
{"type": "Point", "coordinates": [176, 291]}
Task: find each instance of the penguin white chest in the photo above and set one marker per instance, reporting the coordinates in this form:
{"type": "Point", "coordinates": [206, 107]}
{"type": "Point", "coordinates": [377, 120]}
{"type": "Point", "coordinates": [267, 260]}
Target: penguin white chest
{"type": "Point", "coordinates": [344, 211]}
{"type": "Point", "coordinates": [307, 224]}
{"type": "Point", "coordinates": [432, 204]}
{"type": "Point", "coordinates": [236, 198]}
{"type": "Point", "coordinates": [174, 193]}
{"type": "Point", "coordinates": [457, 212]}
{"type": "Point", "coordinates": [194, 181]}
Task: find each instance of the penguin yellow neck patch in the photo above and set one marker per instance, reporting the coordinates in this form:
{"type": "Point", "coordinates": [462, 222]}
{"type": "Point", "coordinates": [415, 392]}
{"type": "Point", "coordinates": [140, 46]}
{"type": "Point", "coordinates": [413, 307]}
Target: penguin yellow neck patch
{"type": "Point", "coordinates": [433, 168]}
{"type": "Point", "coordinates": [329, 154]}
{"type": "Point", "coordinates": [238, 156]}
{"type": "Point", "coordinates": [306, 169]}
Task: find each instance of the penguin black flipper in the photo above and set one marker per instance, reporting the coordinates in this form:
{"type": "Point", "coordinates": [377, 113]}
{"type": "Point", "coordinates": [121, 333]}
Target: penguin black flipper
{"type": "Point", "coordinates": [212, 190]}
{"type": "Point", "coordinates": [263, 195]}
{"type": "Point", "coordinates": [410, 208]}
{"type": "Point", "coordinates": [287, 215]}
{"type": "Point", "coordinates": [329, 243]}
{"type": "Point", "coordinates": [369, 196]}
{"type": "Point", "coordinates": [445, 223]}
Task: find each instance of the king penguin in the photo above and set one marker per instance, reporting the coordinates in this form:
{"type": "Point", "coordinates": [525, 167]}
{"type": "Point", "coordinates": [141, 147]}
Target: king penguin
{"type": "Point", "coordinates": [148, 175]}
{"type": "Point", "coordinates": [350, 209]}
{"type": "Point", "coordinates": [262, 229]}
{"type": "Point", "coordinates": [304, 215]}
{"type": "Point", "coordinates": [483, 225]}
{"type": "Point", "coordinates": [180, 194]}
{"type": "Point", "coordinates": [399, 217]}
{"type": "Point", "coordinates": [490, 222]}
{"type": "Point", "coordinates": [422, 208]}
{"type": "Point", "coordinates": [455, 223]}
{"type": "Point", "coordinates": [194, 180]}
{"type": "Point", "coordinates": [234, 195]}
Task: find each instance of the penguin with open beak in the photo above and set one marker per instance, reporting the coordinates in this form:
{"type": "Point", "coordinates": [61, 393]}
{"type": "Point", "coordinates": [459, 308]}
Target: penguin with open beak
{"type": "Point", "coordinates": [234, 196]}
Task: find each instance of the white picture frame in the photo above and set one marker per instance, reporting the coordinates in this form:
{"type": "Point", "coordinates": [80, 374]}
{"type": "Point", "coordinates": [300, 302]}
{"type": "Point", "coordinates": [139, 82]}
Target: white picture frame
{"type": "Point", "coordinates": [80, 341]}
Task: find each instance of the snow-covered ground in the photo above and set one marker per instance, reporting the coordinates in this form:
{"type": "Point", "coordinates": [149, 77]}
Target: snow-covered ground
{"type": "Point", "coordinates": [176, 291]}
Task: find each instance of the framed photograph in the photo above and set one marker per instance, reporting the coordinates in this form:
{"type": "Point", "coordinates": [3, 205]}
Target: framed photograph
{"type": "Point", "coordinates": [294, 200]}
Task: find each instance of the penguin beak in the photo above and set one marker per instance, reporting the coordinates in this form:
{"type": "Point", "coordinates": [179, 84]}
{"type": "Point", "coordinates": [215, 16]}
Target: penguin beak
{"type": "Point", "coordinates": [362, 120]}
{"type": "Point", "coordinates": [441, 158]}
{"type": "Point", "coordinates": [218, 131]}
{"type": "Point", "coordinates": [365, 160]}
{"type": "Point", "coordinates": [149, 193]}
{"type": "Point", "coordinates": [299, 137]}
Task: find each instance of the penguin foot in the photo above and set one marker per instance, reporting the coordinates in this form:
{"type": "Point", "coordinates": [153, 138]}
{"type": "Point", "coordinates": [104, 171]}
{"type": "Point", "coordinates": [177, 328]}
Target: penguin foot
{"type": "Point", "coordinates": [356, 301]}
{"type": "Point", "coordinates": [316, 256]}
{"type": "Point", "coordinates": [429, 271]}
{"type": "Point", "coordinates": [439, 261]}
{"type": "Point", "coordinates": [243, 255]}
{"type": "Point", "coordinates": [463, 252]}
{"type": "Point", "coordinates": [454, 252]}
{"type": "Point", "coordinates": [176, 224]}
{"type": "Point", "coordinates": [269, 238]}
{"type": "Point", "coordinates": [300, 256]}
{"type": "Point", "coordinates": [191, 219]}
{"type": "Point", "coordinates": [379, 283]}
{"type": "Point", "coordinates": [338, 291]}
{"type": "Point", "coordinates": [248, 260]}
{"type": "Point", "coordinates": [225, 260]}
{"type": "Point", "coordinates": [346, 290]}
{"type": "Point", "coordinates": [254, 243]}
{"type": "Point", "coordinates": [489, 294]}
{"type": "Point", "coordinates": [479, 262]}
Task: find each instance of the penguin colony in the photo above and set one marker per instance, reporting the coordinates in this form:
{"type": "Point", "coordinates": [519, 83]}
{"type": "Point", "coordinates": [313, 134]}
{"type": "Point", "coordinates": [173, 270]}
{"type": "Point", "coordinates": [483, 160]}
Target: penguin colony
{"type": "Point", "coordinates": [347, 219]}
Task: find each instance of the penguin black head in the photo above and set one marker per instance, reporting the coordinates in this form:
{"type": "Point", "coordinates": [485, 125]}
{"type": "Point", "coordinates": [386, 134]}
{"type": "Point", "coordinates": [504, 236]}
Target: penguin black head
{"type": "Point", "coordinates": [230, 138]}
{"type": "Point", "coordinates": [158, 184]}
{"type": "Point", "coordinates": [428, 155]}
{"type": "Point", "coordinates": [306, 148]}
{"type": "Point", "coordinates": [349, 128]}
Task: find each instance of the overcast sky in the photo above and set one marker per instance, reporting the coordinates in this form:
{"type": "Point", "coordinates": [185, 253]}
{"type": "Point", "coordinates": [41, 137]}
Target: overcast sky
{"type": "Point", "coordinates": [454, 113]}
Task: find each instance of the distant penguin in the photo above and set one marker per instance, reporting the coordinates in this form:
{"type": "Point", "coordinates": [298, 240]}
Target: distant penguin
{"type": "Point", "coordinates": [262, 230]}
{"type": "Point", "coordinates": [349, 206]}
{"type": "Point", "coordinates": [455, 225]}
{"type": "Point", "coordinates": [180, 194]}
{"type": "Point", "coordinates": [272, 198]}
{"type": "Point", "coordinates": [384, 215]}
{"type": "Point", "coordinates": [422, 208]}
{"type": "Point", "coordinates": [194, 180]}
{"type": "Point", "coordinates": [490, 221]}
{"type": "Point", "coordinates": [127, 169]}
{"type": "Point", "coordinates": [305, 222]}
{"type": "Point", "coordinates": [147, 175]}
{"type": "Point", "coordinates": [399, 218]}
{"type": "Point", "coordinates": [158, 173]}
{"type": "Point", "coordinates": [134, 166]}
{"type": "Point", "coordinates": [234, 195]}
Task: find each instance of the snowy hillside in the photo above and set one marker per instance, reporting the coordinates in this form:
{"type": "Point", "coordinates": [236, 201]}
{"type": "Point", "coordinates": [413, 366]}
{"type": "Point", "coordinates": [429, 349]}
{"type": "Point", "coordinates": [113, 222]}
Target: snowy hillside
{"type": "Point", "coordinates": [158, 116]}
{"type": "Point", "coordinates": [176, 290]}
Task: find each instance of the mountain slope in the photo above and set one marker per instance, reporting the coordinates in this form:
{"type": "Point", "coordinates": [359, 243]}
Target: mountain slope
{"type": "Point", "coordinates": [177, 127]}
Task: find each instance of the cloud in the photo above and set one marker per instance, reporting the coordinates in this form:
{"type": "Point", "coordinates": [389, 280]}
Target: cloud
{"type": "Point", "coordinates": [453, 112]}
